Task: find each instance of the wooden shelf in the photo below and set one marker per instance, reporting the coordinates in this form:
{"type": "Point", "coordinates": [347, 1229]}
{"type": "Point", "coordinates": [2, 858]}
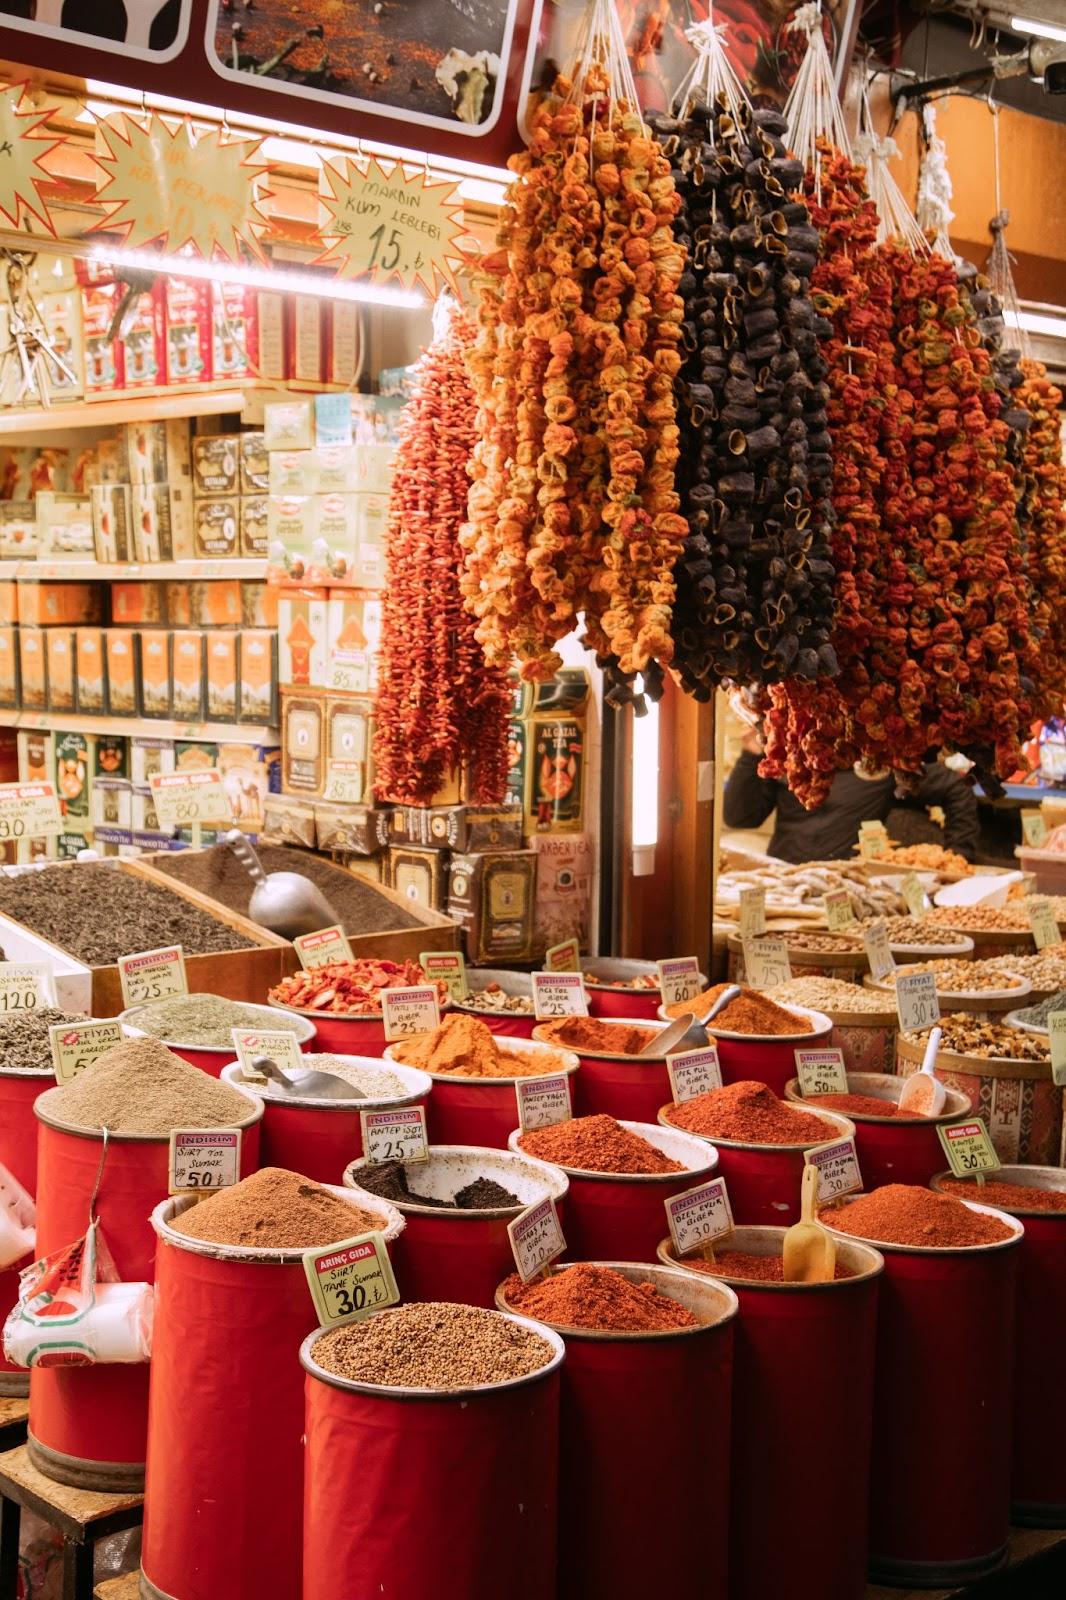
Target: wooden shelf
{"type": "Point", "coordinates": [142, 727]}
{"type": "Point", "coordinates": [101, 571]}
{"type": "Point", "coordinates": [133, 407]}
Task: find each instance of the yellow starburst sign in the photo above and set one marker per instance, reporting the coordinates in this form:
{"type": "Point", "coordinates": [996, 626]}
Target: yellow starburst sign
{"type": "Point", "coordinates": [171, 189]}
{"type": "Point", "coordinates": [22, 146]}
{"type": "Point", "coordinates": [389, 223]}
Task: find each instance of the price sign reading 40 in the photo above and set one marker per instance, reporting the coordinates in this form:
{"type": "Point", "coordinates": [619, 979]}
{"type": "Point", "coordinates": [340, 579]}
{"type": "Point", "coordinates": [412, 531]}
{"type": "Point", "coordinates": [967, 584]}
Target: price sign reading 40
{"type": "Point", "coordinates": [28, 811]}
{"type": "Point", "coordinates": [351, 1279]}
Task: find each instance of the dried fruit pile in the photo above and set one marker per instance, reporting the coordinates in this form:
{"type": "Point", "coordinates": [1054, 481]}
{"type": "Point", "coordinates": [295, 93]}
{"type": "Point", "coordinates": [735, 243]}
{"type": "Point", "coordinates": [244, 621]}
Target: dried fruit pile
{"type": "Point", "coordinates": [350, 988]}
{"type": "Point", "coordinates": [440, 707]}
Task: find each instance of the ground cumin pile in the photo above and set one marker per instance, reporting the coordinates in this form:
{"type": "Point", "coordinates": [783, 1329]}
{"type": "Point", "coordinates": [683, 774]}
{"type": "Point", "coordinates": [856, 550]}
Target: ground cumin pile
{"type": "Point", "coordinates": [433, 1344]}
{"type": "Point", "coordinates": [751, 1012]}
{"type": "Point", "coordinates": [750, 1113]}
{"type": "Point", "coordinates": [139, 1086]}
{"type": "Point", "coordinates": [596, 1144]}
{"type": "Point", "coordinates": [757, 1269]}
{"type": "Point", "coordinates": [904, 1213]}
{"type": "Point", "coordinates": [276, 1210]}
{"type": "Point", "coordinates": [586, 1296]}
{"type": "Point", "coordinates": [467, 1048]}
{"type": "Point", "coordinates": [860, 1105]}
{"type": "Point", "coordinates": [591, 1036]}
{"type": "Point", "coordinates": [1007, 1196]}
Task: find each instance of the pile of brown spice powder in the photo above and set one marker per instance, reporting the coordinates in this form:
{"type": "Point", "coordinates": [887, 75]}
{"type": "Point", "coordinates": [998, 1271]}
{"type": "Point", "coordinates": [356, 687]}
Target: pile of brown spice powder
{"type": "Point", "coordinates": [277, 1210]}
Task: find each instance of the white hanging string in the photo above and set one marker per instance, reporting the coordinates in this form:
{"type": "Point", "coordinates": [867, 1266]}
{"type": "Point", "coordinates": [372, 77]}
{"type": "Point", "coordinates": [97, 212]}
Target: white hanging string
{"type": "Point", "coordinates": [895, 217]}
{"type": "Point", "coordinates": [601, 44]}
{"type": "Point", "coordinates": [711, 78]}
{"type": "Point", "coordinates": [813, 110]}
{"type": "Point", "coordinates": [933, 211]}
{"type": "Point", "coordinates": [999, 268]}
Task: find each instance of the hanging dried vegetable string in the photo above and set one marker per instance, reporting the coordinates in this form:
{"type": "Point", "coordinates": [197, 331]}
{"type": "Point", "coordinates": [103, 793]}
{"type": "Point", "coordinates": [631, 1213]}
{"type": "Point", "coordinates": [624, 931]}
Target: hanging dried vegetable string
{"type": "Point", "coordinates": [754, 583]}
{"type": "Point", "coordinates": [440, 707]}
{"type": "Point", "coordinates": [573, 507]}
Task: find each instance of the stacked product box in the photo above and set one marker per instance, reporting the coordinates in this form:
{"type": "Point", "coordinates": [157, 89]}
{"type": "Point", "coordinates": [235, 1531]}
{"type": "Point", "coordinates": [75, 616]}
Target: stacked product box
{"type": "Point", "coordinates": [230, 478]}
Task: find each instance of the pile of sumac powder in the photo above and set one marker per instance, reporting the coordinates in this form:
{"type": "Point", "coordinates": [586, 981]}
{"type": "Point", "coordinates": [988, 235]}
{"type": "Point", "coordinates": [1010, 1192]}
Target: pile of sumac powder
{"type": "Point", "coordinates": [433, 1344]}
{"type": "Point", "coordinates": [277, 1210]}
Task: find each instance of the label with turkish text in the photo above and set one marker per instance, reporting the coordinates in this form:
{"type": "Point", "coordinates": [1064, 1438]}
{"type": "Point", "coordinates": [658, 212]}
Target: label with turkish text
{"type": "Point", "coordinates": [693, 1072]}
{"type": "Point", "coordinates": [351, 1279]}
{"type": "Point", "coordinates": [766, 963]}
{"type": "Point", "coordinates": [413, 1009]}
{"type": "Point", "coordinates": [564, 957]}
{"type": "Point", "coordinates": [968, 1148]}
{"type": "Point", "coordinates": [917, 1002]}
{"type": "Point", "coordinates": [679, 980]}
{"type": "Point", "coordinates": [76, 1045]}
{"type": "Point", "coordinates": [153, 975]}
{"type": "Point", "coordinates": [752, 913]}
{"type": "Point", "coordinates": [559, 994]}
{"type": "Point", "coordinates": [879, 952]}
{"type": "Point", "coordinates": [24, 986]}
{"type": "Point", "coordinates": [873, 841]}
{"type": "Point", "coordinates": [397, 1135]}
{"type": "Point", "coordinates": [279, 1045]}
{"type": "Point", "coordinates": [542, 1102]}
{"type": "Point", "coordinates": [1056, 1027]}
{"type": "Point", "coordinates": [838, 1169]}
{"type": "Point", "coordinates": [28, 811]}
{"type": "Point", "coordinates": [448, 967]}
{"type": "Point", "coordinates": [183, 799]}
{"type": "Point", "coordinates": [322, 947]}
{"type": "Point", "coordinates": [821, 1071]}
{"type": "Point", "coordinates": [1043, 923]}
{"type": "Point", "coordinates": [838, 912]}
{"type": "Point", "coordinates": [1034, 828]}
{"type": "Point", "coordinates": [536, 1238]}
{"type": "Point", "coordinates": [913, 893]}
{"type": "Point", "coordinates": [699, 1216]}
{"type": "Point", "coordinates": [204, 1159]}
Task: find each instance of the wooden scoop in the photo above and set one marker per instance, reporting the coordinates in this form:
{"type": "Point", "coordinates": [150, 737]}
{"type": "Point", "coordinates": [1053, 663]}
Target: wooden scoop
{"type": "Point", "coordinates": [808, 1250]}
{"type": "Point", "coordinates": [923, 1095]}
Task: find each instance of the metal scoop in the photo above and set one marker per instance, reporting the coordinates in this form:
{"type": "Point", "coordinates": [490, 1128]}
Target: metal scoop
{"type": "Point", "coordinates": [285, 902]}
{"type": "Point", "coordinates": [923, 1095]}
{"type": "Point", "coordinates": [317, 1085]}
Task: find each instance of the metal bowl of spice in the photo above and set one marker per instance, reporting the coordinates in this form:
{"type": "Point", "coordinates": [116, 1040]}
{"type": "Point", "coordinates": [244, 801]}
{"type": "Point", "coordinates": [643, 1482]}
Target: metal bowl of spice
{"type": "Point", "coordinates": [503, 1000]}
{"type": "Point", "coordinates": [197, 1026]}
{"type": "Point", "coordinates": [622, 988]}
{"type": "Point", "coordinates": [757, 1038]}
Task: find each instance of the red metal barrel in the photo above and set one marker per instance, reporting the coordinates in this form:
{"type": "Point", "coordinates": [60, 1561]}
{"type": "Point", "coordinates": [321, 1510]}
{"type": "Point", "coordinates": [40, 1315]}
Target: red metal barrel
{"type": "Point", "coordinates": [891, 1149]}
{"type": "Point", "coordinates": [18, 1153]}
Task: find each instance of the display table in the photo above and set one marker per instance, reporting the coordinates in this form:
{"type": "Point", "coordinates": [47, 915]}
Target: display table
{"type": "Point", "coordinates": [1036, 1568]}
{"type": "Point", "coordinates": [80, 1516]}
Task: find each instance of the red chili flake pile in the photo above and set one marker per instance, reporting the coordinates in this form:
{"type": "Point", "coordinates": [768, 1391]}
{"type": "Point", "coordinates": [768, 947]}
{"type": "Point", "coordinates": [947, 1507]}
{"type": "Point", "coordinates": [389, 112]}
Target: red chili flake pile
{"type": "Point", "coordinates": [349, 988]}
{"type": "Point", "coordinates": [750, 1113]}
{"type": "Point", "coordinates": [858, 1105]}
{"type": "Point", "coordinates": [904, 1213]}
{"type": "Point", "coordinates": [597, 1144]}
{"type": "Point", "coordinates": [594, 1037]}
{"type": "Point", "coordinates": [758, 1269]}
{"type": "Point", "coordinates": [587, 1296]}
{"type": "Point", "coordinates": [1007, 1196]}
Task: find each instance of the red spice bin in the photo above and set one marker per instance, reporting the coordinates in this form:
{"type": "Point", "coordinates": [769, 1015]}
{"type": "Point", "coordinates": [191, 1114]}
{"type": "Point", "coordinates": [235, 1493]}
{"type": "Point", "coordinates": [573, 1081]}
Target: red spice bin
{"type": "Point", "coordinates": [767, 1058]}
{"type": "Point", "coordinates": [207, 1058]}
{"type": "Point", "coordinates": [482, 1111]}
{"type": "Point", "coordinates": [512, 1024]}
{"type": "Point", "coordinates": [619, 1085]}
{"type": "Point", "coordinates": [891, 1149]}
{"type": "Point", "coordinates": [803, 1396]}
{"type": "Point", "coordinates": [673, 1386]}
{"type": "Point", "coordinates": [611, 990]}
{"type": "Point", "coordinates": [18, 1153]}
{"type": "Point", "coordinates": [89, 1425]}
{"type": "Point", "coordinates": [452, 1492]}
{"type": "Point", "coordinates": [1038, 1475]}
{"type": "Point", "coordinates": [228, 1314]}
{"type": "Point", "coordinates": [319, 1137]}
{"type": "Point", "coordinates": [462, 1254]}
{"type": "Point", "coordinates": [618, 1216]}
{"type": "Point", "coordinates": [346, 1034]}
{"type": "Point", "coordinates": [764, 1179]}
{"type": "Point", "coordinates": [943, 1410]}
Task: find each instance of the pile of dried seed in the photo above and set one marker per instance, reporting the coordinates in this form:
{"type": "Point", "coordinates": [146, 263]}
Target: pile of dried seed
{"type": "Point", "coordinates": [139, 1086]}
{"type": "Point", "coordinates": [1046, 971]}
{"type": "Point", "coordinates": [390, 1181]}
{"type": "Point", "coordinates": [433, 1345]}
{"type": "Point", "coordinates": [277, 1210]}
{"type": "Point", "coordinates": [980, 919]}
{"type": "Point", "coordinates": [203, 1019]}
{"type": "Point", "coordinates": [831, 995]}
{"type": "Point", "coordinates": [24, 1044]}
{"type": "Point", "coordinates": [961, 977]}
{"type": "Point", "coordinates": [912, 933]}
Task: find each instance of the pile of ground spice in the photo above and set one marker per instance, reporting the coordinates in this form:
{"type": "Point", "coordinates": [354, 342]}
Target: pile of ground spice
{"type": "Point", "coordinates": [757, 1269]}
{"type": "Point", "coordinates": [750, 1013]}
{"type": "Point", "coordinates": [750, 1113]}
{"type": "Point", "coordinates": [1036, 1016]}
{"type": "Point", "coordinates": [586, 1296]}
{"type": "Point", "coordinates": [466, 1048]}
{"type": "Point", "coordinates": [590, 1036]}
{"type": "Point", "coordinates": [859, 1105]}
{"type": "Point", "coordinates": [374, 1082]}
{"type": "Point", "coordinates": [904, 1213]}
{"type": "Point", "coordinates": [596, 1144]}
{"type": "Point", "coordinates": [433, 1345]}
{"type": "Point", "coordinates": [390, 1181]}
{"type": "Point", "coordinates": [276, 1210]}
{"type": "Point", "coordinates": [203, 1019]}
{"type": "Point", "coordinates": [832, 995]}
{"type": "Point", "coordinates": [139, 1086]}
{"type": "Point", "coordinates": [24, 1043]}
{"type": "Point", "coordinates": [1007, 1196]}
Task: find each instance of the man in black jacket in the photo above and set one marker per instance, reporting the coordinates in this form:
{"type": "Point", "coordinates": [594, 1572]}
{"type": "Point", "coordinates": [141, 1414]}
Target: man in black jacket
{"type": "Point", "coordinates": [831, 832]}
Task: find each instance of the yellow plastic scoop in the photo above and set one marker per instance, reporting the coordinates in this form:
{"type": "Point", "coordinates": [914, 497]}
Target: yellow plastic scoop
{"type": "Point", "coordinates": [808, 1250]}
{"type": "Point", "coordinates": [923, 1095]}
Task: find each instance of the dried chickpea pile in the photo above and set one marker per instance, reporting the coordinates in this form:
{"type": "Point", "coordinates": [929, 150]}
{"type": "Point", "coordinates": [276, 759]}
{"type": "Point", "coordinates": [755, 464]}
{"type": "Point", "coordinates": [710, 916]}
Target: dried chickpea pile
{"type": "Point", "coordinates": [831, 995]}
{"type": "Point", "coordinates": [980, 919]}
{"type": "Point", "coordinates": [962, 977]}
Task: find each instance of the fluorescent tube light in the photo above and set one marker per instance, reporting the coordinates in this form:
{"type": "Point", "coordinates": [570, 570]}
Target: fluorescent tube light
{"type": "Point", "coordinates": [1033, 322]}
{"type": "Point", "coordinates": [1041, 30]}
{"type": "Point", "coordinates": [279, 279]}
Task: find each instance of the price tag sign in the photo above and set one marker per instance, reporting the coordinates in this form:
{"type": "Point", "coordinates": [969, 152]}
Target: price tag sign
{"type": "Point", "coordinates": [536, 1239]}
{"type": "Point", "coordinates": [766, 963]}
{"type": "Point", "coordinates": [917, 1002]}
{"type": "Point", "coordinates": [204, 1159]}
{"type": "Point", "coordinates": [351, 1279]}
{"type": "Point", "coordinates": [413, 1009]}
{"type": "Point", "coordinates": [679, 980]}
{"type": "Point", "coordinates": [344, 783]}
{"type": "Point", "coordinates": [752, 913]}
{"type": "Point", "coordinates": [76, 1045]}
{"type": "Point", "coordinates": [821, 1072]}
{"type": "Point", "coordinates": [564, 957]}
{"type": "Point", "coordinates": [153, 975]}
{"type": "Point", "coordinates": [398, 1135]}
{"type": "Point", "coordinates": [873, 841]}
{"type": "Point", "coordinates": [838, 1169]}
{"type": "Point", "coordinates": [28, 811]}
{"type": "Point", "coordinates": [912, 891]}
{"type": "Point", "coordinates": [693, 1072]}
{"type": "Point", "coordinates": [542, 1102]}
{"type": "Point", "coordinates": [446, 966]}
{"type": "Point", "coordinates": [1056, 1027]}
{"type": "Point", "coordinates": [968, 1148]}
{"type": "Point", "coordinates": [279, 1045]}
{"type": "Point", "coordinates": [879, 952]}
{"type": "Point", "coordinates": [1034, 828]}
{"type": "Point", "coordinates": [320, 948]}
{"type": "Point", "coordinates": [838, 912]}
{"type": "Point", "coordinates": [559, 994]}
{"type": "Point", "coordinates": [24, 986]}
{"type": "Point", "coordinates": [699, 1216]}
{"type": "Point", "coordinates": [183, 799]}
{"type": "Point", "coordinates": [1042, 921]}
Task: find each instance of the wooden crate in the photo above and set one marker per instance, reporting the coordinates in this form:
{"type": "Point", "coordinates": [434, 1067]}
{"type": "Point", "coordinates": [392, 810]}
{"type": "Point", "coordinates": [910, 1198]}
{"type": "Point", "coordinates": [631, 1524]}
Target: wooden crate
{"type": "Point", "coordinates": [237, 974]}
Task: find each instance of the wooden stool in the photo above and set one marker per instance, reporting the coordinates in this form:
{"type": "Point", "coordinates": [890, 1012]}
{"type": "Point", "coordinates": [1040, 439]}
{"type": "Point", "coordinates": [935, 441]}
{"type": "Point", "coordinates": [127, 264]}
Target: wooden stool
{"type": "Point", "coordinates": [81, 1516]}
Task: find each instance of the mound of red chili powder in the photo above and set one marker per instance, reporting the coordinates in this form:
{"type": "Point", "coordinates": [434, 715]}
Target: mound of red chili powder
{"type": "Point", "coordinates": [1007, 1196]}
{"type": "Point", "coordinates": [904, 1213]}
{"type": "Point", "coordinates": [750, 1113]}
{"type": "Point", "coordinates": [594, 1036]}
{"type": "Point", "coordinates": [757, 1269]}
{"type": "Point", "coordinates": [859, 1105]}
{"type": "Point", "coordinates": [587, 1296]}
{"type": "Point", "coordinates": [597, 1144]}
